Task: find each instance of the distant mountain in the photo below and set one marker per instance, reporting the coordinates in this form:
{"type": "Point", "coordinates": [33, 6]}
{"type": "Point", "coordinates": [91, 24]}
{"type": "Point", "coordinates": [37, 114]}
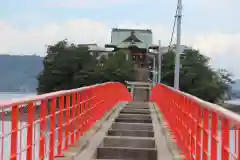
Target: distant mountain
{"type": "Point", "coordinates": [19, 73]}
{"type": "Point", "coordinates": [235, 89]}
{"type": "Point", "coordinates": [236, 85]}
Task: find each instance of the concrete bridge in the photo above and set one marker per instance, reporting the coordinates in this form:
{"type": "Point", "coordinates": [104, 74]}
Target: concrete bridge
{"type": "Point", "coordinates": [108, 121]}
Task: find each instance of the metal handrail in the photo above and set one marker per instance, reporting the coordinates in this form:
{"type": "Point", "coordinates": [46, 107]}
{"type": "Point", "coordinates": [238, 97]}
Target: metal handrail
{"type": "Point", "coordinates": [210, 106]}
{"type": "Point", "coordinates": [64, 115]}
{"type": "Point", "coordinates": [6, 104]}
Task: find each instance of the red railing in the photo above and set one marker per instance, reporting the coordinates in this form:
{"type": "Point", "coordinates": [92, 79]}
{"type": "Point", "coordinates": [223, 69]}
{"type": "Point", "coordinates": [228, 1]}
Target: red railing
{"type": "Point", "coordinates": [203, 131]}
{"type": "Point", "coordinates": [43, 126]}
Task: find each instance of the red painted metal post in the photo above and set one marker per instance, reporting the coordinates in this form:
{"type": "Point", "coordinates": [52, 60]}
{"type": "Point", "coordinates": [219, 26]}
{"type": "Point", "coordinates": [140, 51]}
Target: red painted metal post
{"type": "Point", "coordinates": [196, 124]}
{"type": "Point", "coordinates": [199, 133]}
{"type": "Point", "coordinates": [238, 142]}
{"type": "Point", "coordinates": [67, 121]}
{"type": "Point", "coordinates": [91, 107]}
{"type": "Point", "coordinates": [78, 116]}
{"type": "Point", "coordinates": [52, 129]}
{"type": "Point", "coordinates": [84, 99]}
{"type": "Point", "coordinates": [99, 103]}
{"type": "Point", "coordinates": [82, 113]}
{"type": "Point", "coordinates": [43, 114]}
{"type": "Point", "coordinates": [88, 104]}
{"type": "Point", "coordinates": [60, 127]}
{"type": "Point", "coordinates": [94, 104]}
{"type": "Point", "coordinates": [205, 134]}
{"type": "Point", "coordinates": [225, 129]}
{"type": "Point", "coordinates": [73, 108]}
{"type": "Point", "coordinates": [100, 108]}
{"type": "Point", "coordinates": [2, 133]}
{"type": "Point", "coordinates": [235, 141]}
{"type": "Point", "coordinates": [14, 135]}
{"type": "Point", "coordinates": [193, 128]}
{"type": "Point", "coordinates": [87, 110]}
{"type": "Point", "coordinates": [30, 131]}
{"type": "Point", "coordinates": [214, 140]}
{"type": "Point", "coordinates": [188, 127]}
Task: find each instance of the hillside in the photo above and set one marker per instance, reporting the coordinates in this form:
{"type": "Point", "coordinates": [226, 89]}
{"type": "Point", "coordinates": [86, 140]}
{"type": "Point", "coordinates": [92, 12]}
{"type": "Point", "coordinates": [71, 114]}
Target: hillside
{"type": "Point", "coordinates": [236, 85]}
{"type": "Point", "coordinates": [18, 73]}
{"type": "Point", "coordinates": [235, 89]}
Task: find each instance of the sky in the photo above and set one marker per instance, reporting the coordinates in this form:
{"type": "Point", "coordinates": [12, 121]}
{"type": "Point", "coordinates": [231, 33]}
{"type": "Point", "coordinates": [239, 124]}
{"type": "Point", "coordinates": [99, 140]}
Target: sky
{"type": "Point", "coordinates": [212, 26]}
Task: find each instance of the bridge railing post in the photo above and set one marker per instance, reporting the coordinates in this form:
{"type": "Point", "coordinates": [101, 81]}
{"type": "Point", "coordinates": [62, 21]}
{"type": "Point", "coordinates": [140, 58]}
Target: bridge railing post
{"type": "Point", "coordinates": [43, 126]}
{"type": "Point", "coordinates": [202, 130]}
{"type": "Point", "coordinates": [14, 134]}
{"type": "Point", "coordinates": [42, 139]}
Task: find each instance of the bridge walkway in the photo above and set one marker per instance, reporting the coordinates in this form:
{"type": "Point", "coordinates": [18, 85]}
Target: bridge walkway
{"type": "Point", "coordinates": [131, 131]}
{"type": "Point", "coordinates": [106, 121]}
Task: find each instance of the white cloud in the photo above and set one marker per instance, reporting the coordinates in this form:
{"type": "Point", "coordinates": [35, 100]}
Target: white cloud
{"type": "Point", "coordinates": [28, 41]}
{"type": "Point", "coordinates": [86, 3]}
{"type": "Point", "coordinates": [215, 4]}
{"type": "Point", "coordinates": [14, 40]}
{"type": "Point", "coordinates": [218, 43]}
{"type": "Point", "coordinates": [223, 48]}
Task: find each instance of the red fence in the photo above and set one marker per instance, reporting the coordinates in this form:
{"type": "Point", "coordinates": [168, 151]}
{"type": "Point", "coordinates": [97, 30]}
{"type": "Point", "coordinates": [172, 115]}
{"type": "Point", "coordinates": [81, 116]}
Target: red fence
{"type": "Point", "coordinates": [201, 130]}
{"type": "Point", "coordinates": [43, 126]}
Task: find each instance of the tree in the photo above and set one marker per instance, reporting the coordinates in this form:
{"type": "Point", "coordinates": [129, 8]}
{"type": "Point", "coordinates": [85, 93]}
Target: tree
{"type": "Point", "coordinates": [196, 75]}
{"type": "Point", "coordinates": [117, 68]}
{"type": "Point", "coordinates": [68, 66]}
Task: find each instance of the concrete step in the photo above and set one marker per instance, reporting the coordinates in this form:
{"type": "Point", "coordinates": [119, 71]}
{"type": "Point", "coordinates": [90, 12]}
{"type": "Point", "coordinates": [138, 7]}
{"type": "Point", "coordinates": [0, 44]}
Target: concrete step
{"type": "Point", "coordinates": [132, 126]}
{"type": "Point", "coordinates": [136, 133]}
{"type": "Point", "coordinates": [135, 103]}
{"type": "Point", "coordinates": [135, 116]}
{"type": "Point", "coordinates": [132, 142]}
{"type": "Point", "coordinates": [137, 107]}
{"type": "Point", "coordinates": [109, 159]}
{"type": "Point", "coordinates": [126, 153]}
{"type": "Point", "coordinates": [135, 112]}
{"type": "Point", "coordinates": [130, 120]}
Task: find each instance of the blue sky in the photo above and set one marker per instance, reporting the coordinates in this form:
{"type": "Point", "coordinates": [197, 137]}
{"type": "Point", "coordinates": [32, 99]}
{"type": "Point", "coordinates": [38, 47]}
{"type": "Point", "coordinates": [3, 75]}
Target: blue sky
{"type": "Point", "coordinates": [213, 26]}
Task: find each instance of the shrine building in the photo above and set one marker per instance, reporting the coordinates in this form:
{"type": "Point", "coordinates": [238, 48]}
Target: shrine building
{"type": "Point", "coordinates": [138, 41]}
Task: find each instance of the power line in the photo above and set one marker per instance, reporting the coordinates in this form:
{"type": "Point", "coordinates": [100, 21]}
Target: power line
{"type": "Point", "coordinates": [173, 29]}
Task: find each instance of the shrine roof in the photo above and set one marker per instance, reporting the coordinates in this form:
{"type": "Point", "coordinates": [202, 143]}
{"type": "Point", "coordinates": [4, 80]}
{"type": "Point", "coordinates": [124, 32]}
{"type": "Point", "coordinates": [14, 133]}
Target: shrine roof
{"type": "Point", "coordinates": [129, 30]}
{"type": "Point", "coordinates": [127, 37]}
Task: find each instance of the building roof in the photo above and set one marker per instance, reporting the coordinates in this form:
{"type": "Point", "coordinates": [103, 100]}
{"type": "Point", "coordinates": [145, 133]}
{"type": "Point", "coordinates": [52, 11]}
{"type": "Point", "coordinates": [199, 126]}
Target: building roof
{"type": "Point", "coordinates": [129, 30]}
{"type": "Point", "coordinates": [127, 37]}
{"type": "Point", "coordinates": [132, 38]}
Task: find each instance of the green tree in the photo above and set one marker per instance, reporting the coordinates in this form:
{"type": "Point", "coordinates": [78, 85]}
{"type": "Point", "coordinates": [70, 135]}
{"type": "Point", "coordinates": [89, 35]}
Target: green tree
{"type": "Point", "coordinates": [68, 66]}
{"type": "Point", "coordinates": [117, 68]}
{"type": "Point", "coordinates": [196, 75]}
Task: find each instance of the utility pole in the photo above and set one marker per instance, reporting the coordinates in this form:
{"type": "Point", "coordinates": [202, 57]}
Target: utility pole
{"type": "Point", "coordinates": [178, 48]}
{"type": "Point", "coordinates": [159, 62]}
{"type": "Point", "coordinates": [154, 69]}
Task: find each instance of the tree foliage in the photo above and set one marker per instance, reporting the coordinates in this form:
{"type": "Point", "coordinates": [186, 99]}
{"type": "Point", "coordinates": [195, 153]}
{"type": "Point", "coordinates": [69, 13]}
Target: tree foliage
{"type": "Point", "coordinates": [68, 66]}
{"type": "Point", "coordinates": [72, 66]}
{"type": "Point", "coordinates": [196, 75]}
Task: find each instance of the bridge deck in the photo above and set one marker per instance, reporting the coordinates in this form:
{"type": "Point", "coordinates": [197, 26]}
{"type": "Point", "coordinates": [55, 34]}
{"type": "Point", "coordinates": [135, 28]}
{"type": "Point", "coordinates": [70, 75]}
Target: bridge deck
{"type": "Point", "coordinates": [129, 131]}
